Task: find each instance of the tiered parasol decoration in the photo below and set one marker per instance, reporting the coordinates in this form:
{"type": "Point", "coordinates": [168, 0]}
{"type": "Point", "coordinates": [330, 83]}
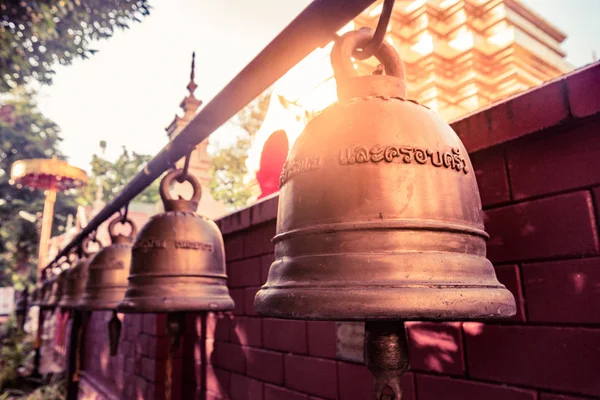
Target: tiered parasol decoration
{"type": "Point", "coordinates": [51, 175]}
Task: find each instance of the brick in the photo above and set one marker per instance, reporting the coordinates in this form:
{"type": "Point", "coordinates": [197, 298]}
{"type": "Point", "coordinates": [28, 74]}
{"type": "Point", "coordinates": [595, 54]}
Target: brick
{"type": "Point", "coordinates": [285, 335]}
{"type": "Point", "coordinates": [552, 396]}
{"type": "Point", "coordinates": [229, 356]}
{"type": "Point", "coordinates": [311, 375]}
{"type": "Point", "coordinates": [582, 87]}
{"type": "Point", "coordinates": [555, 161]}
{"type": "Point", "coordinates": [438, 387]}
{"type": "Point", "coordinates": [539, 108]}
{"type": "Point", "coordinates": [542, 229]}
{"type": "Point", "coordinates": [510, 276]}
{"type": "Point", "coordinates": [476, 131]}
{"type": "Point", "coordinates": [153, 370]}
{"type": "Point", "coordinates": [218, 381]}
{"type": "Point", "coordinates": [235, 222]}
{"type": "Point", "coordinates": [239, 298]}
{"type": "Point", "coordinates": [246, 331]}
{"type": "Point", "coordinates": [155, 324]}
{"type": "Point", "coordinates": [244, 388]}
{"type": "Point", "coordinates": [555, 358]}
{"type": "Point", "coordinates": [265, 365]}
{"type": "Point", "coordinates": [250, 293]}
{"type": "Point", "coordinates": [244, 273]}
{"type": "Point", "coordinates": [265, 210]}
{"type": "Point", "coordinates": [257, 240]}
{"type": "Point", "coordinates": [280, 393]}
{"type": "Point", "coordinates": [322, 339]}
{"type": "Point", "coordinates": [436, 346]}
{"type": "Point", "coordinates": [492, 178]}
{"type": "Point", "coordinates": [234, 246]}
{"type": "Point", "coordinates": [218, 326]}
{"type": "Point", "coordinates": [564, 291]}
{"type": "Point", "coordinates": [265, 264]}
{"type": "Point", "coordinates": [355, 381]}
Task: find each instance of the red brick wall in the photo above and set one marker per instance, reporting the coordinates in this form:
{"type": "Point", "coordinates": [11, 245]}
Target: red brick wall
{"type": "Point", "coordinates": [537, 160]}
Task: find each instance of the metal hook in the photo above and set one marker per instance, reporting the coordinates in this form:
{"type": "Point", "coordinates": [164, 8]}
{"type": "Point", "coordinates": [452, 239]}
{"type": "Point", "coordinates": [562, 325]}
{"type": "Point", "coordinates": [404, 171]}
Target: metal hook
{"type": "Point", "coordinates": [124, 213]}
{"type": "Point", "coordinates": [184, 174]}
{"type": "Point", "coordinates": [384, 19]}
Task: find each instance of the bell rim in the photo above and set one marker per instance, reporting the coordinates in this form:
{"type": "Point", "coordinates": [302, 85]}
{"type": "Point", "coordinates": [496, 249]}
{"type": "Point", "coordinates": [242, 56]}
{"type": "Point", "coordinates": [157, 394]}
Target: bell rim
{"type": "Point", "coordinates": [420, 304]}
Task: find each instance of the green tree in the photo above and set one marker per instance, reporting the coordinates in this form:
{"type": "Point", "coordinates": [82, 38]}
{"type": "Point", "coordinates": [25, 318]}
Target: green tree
{"type": "Point", "coordinates": [228, 167]}
{"type": "Point", "coordinates": [34, 35]}
{"type": "Point", "coordinates": [114, 176]}
{"type": "Point", "coordinates": [24, 134]}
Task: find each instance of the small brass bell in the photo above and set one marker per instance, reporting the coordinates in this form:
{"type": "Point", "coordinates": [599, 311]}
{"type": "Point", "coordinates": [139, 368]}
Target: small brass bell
{"type": "Point", "coordinates": [178, 262]}
{"type": "Point", "coordinates": [35, 297]}
{"type": "Point", "coordinates": [107, 278]}
{"type": "Point", "coordinates": [380, 218]}
{"type": "Point", "coordinates": [178, 259]}
{"type": "Point", "coordinates": [77, 279]}
{"type": "Point", "coordinates": [108, 270]}
{"type": "Point", "coordinates": [53, 292]}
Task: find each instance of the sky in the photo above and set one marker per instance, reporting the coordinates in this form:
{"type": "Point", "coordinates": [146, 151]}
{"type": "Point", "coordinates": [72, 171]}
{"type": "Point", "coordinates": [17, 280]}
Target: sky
{"type": "Point", "coordinates": [128, 92]}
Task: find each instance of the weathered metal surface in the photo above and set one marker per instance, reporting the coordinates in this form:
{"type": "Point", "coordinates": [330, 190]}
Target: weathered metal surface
{"type": "Point", "coordinates": [379, 212]}
{"type": "Point", "coordinates": [178, 259]}
{"type": "Point", "coordinates": [108, 270]}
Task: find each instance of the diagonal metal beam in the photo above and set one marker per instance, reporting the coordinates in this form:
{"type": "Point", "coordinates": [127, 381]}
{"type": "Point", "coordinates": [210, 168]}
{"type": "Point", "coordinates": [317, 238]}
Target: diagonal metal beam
{"type": "Point", "coordinates": [314, 27]}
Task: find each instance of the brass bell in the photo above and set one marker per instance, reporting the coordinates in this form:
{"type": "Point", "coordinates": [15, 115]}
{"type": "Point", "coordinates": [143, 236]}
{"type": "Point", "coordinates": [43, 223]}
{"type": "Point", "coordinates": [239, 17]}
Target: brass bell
{"type": "Point", "coordinates": [108, 270]}
{"type": "Point", "coordinates": [56, 290]}
{"type": "Point", "coordinates": [178, 259]}
{"type": "Point", "coordinates": [35, 297]}
{"type": "Point", "coordinates": [76, 279]}
{"type": "Point", "coordinates": [379, 215]}
{"type": "Point", "coordinates": [178, 262]}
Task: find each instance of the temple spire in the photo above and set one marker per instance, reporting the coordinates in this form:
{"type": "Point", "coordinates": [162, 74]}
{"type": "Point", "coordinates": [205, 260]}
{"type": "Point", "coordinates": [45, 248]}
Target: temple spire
{"type": "Point", "coordinates": [189, 105]}
{"type": "Point", "coordinates": [192, 85]}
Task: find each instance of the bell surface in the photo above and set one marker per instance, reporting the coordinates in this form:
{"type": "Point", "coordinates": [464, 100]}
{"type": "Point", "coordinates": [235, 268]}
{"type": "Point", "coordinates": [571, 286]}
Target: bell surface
{"type": "Point", "coordinates": [55, 290]}
{"type": "Point", "coordinates": [178, 261]}
{"type": "Point", "coordinates": [35, 297]}
{"type": "Point", "coordinates": [108, 270]}
{"type": "Point", "coordinates": [379, 211]}
{"type": "Point", "coordinates": [75, 284]}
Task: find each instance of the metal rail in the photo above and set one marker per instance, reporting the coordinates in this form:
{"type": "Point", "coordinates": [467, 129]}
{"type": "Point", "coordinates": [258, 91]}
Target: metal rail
{"type": "Point", "coordinates": [314, 27]}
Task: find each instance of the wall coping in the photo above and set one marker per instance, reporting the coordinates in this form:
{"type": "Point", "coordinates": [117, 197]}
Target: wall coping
{"type": "Point", "coordinates": [567, 98]}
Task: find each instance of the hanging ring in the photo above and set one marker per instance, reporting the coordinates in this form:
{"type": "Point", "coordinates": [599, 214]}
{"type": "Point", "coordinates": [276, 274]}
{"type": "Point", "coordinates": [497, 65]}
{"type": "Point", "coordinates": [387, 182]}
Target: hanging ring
{"type": "Point", "coordinates": [115, 221]}
{"type": "Point", "coordinates": [176, 174]}
{"type": "Point", "coordinates": [341, 55]}
{"type": "Point", "coordinates": [370, 48]}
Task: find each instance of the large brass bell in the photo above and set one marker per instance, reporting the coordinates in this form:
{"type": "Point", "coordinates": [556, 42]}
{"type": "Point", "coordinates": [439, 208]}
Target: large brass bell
{"type": "Point", "coordinates": [108, 270]}
{"type": "Point", "coordinates": [178, 259]}
{"type": "Point", "coordinates": [76, 279]}
{"type": "Point", "coordinates": [380, 217]}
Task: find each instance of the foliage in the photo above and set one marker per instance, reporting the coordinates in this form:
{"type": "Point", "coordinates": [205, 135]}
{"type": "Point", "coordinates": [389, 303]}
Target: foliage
{"type": "Point", "coordinates": [24, 134]}
{"type": "Point", "coordinates": [227, 174]}
{"type": "Point", "coordinates": [55, 390]}
{"type": "Point", "coordinates": [251, 117]}
{"type": "Point", "coordinates": [16, 346]}
{"type": "Point", "coordinates": [228, 167]}
{"type": "Point", "coordinates": [114, 176]}
{"type": "Point", "coordinates": [34, 35]}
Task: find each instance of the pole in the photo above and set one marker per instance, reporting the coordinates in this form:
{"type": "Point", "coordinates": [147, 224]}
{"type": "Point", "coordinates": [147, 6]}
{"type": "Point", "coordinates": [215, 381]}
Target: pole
{"type": "Point", "coordinates": [46, 230]}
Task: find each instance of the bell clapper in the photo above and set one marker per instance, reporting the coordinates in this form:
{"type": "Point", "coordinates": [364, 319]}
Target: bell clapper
{"type": "Point", "coordinates": [114, 333]}
{"type": "Point", "coordinates": [386, 356]}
